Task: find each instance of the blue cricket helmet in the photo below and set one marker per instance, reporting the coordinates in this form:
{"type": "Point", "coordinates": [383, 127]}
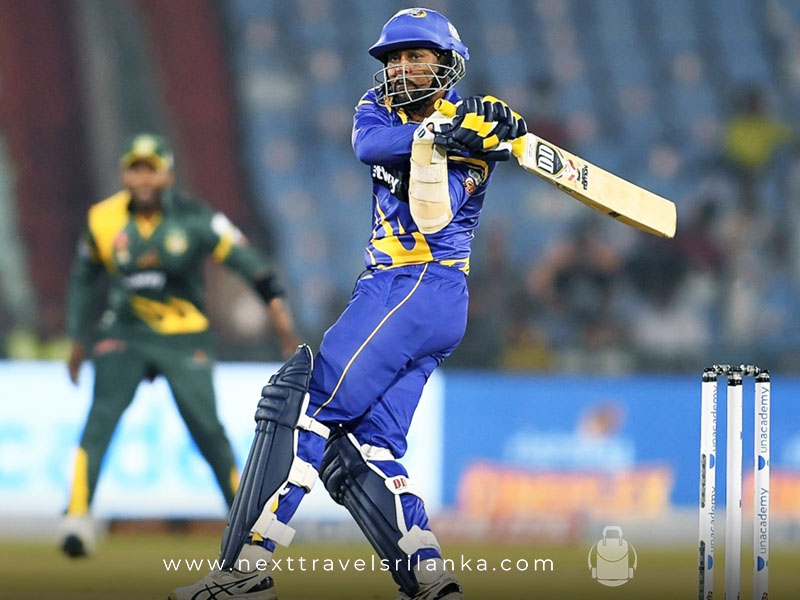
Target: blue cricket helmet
{"type": "Point", "coordinates": [418, 28]}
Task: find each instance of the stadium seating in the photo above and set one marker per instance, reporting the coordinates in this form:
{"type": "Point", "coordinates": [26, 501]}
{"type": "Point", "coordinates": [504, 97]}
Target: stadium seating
{"type": "Point", "coordinates": [631, 78]}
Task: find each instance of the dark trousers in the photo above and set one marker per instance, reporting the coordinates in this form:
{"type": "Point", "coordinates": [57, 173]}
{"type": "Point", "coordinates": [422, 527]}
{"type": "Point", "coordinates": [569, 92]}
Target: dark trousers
{"type": "Point", "coordinates": [120, 365]}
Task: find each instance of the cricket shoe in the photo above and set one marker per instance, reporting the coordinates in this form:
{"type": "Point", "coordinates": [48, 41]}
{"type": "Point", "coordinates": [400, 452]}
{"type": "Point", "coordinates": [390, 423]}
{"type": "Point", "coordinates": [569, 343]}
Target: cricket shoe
{"type": "Point", "coordinates": [228, 585]}
{"type": "Point", "coordinates": [77, 536]}
{"type": "Point", "coordinates": [256, 584]}
{"type": "Point", "coordinates": [444, 588]}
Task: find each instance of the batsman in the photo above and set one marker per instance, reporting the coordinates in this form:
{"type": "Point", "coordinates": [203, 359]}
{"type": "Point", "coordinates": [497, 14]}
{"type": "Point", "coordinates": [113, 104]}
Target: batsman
{"type": "Point", "coordinates": [150, 242]}
{"type": "Point", "coordinates": [343, 415]}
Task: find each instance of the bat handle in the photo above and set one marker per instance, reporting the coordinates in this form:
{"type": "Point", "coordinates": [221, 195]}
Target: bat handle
{"type": "Point", "coordinates": [518, 146]}
{"type": "Point", "coordinates": [448, 109]}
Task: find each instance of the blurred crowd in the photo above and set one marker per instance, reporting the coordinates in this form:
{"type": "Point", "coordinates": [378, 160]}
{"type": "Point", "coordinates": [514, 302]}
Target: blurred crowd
{"type": "Point", "coordinates": [724, 290]}
{"type": "Point", "coordinates": [695, 100]}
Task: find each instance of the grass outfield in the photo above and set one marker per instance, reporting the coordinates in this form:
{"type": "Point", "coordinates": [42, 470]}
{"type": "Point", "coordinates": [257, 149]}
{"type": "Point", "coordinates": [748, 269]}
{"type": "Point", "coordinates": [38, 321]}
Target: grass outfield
{"type": "Point", "coordinates": [130, 567]}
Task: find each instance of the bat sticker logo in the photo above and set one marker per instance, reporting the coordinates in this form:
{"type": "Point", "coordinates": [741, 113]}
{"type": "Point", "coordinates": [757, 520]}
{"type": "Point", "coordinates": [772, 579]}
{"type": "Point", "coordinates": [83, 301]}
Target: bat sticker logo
{"type": "Point", "coordinates": [551, 161]}
{"type": "Point", "coordinates": [548, 159]}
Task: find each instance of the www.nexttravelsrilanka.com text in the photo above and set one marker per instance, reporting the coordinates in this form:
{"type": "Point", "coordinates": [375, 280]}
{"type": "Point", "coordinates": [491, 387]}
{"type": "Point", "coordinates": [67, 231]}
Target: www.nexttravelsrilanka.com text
{"type": "Point", "coordinates": [328, 565]}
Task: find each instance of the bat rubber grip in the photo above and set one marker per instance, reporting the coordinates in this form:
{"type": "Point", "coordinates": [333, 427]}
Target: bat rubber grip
{"type": "Point", "coordinates": [448, 109]}
{"type": "Point", "coordinates": [518, 146]}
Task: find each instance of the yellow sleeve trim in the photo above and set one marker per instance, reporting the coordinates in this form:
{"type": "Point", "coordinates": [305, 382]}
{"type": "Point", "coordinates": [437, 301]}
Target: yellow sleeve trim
{"type": "Point", "coordinates": [223, 248]}
{"type": "Point", "coordinates": [106, 220]}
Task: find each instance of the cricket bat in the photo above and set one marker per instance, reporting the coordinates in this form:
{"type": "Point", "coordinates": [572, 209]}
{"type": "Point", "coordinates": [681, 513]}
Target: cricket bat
{"type": "Point", "coordinates": [598, 189]}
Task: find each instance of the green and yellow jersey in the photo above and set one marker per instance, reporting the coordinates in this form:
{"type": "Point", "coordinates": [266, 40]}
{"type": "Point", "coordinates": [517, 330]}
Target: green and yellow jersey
{"type": "Point", "coordinates": [155, 265]}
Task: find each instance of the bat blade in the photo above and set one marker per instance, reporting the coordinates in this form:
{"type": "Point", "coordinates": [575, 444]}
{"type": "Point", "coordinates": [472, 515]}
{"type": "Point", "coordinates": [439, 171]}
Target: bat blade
{"type": "Point", "coordinates": [597, 188]}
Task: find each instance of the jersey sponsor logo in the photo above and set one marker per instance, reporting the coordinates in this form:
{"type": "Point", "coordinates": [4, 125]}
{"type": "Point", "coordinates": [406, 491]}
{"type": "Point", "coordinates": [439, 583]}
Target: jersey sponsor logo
{"type": "Point", "coordinates": [176, 242]}
{"type": "Point", "coordinates": [144, 280]}
{"type": "Point", "coordinates": [148, 260]}
{"type": "Point", "coordinates": [473, 180]}
{"type": "Point", "coordinates": [122, 241]}
{"type": "Point", "coordinates": [391, 179]}
{"type": "Point", "coordinates": [121, 246]}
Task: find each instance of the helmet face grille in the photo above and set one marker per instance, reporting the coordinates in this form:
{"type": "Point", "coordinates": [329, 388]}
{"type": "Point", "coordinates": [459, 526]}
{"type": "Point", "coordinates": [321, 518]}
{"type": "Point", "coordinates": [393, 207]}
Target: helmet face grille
{"type": "Point", "coordinates": [402, 89]}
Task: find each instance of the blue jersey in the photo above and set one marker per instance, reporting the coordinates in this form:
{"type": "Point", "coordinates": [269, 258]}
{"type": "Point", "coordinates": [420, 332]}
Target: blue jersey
{"type": "Point", "coordinates": [382, 139]}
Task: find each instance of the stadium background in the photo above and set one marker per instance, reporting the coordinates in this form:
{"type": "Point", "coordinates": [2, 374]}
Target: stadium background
{"type": "Point", "coordinates": [586, 337]}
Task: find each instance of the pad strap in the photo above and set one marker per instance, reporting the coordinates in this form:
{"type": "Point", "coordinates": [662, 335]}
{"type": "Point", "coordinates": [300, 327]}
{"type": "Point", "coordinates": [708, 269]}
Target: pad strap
{"type": "Point", "coordinates": [310, 424]}
{"type": "Point", "coordinates": [268, 527]}
{"type": "Point", "coordinates": [370, 452]}
{"type": "Point", "coordinates": [303, 474]}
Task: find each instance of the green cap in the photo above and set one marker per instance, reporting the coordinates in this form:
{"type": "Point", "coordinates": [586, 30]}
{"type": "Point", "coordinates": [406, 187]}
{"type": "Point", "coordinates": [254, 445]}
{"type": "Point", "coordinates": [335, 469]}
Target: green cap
{"type": "Point", "coordinates": [149, 148]}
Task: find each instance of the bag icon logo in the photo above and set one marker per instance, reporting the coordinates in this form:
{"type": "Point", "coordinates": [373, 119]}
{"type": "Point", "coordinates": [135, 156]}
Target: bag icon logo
{"type": "Point", "coordinates": [612, 560]}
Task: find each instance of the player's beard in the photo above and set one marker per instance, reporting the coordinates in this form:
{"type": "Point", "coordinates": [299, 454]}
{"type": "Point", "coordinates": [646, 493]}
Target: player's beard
{"type": "Point", "coordinates": [146, 200]}
{"type": "Point", "coordinates": [406, 90]}
{"type": "Point", "coordinates": [414, 98]}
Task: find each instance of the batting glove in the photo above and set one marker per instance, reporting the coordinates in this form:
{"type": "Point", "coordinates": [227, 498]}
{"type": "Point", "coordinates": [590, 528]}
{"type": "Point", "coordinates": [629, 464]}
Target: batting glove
{"type": "Point", "coordinates": [480, 125]}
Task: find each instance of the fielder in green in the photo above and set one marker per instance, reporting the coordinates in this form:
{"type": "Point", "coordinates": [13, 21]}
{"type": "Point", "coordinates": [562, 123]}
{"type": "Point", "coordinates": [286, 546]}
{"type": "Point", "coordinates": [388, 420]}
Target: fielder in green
{"type": "Point", "coordinates": [151, 242]}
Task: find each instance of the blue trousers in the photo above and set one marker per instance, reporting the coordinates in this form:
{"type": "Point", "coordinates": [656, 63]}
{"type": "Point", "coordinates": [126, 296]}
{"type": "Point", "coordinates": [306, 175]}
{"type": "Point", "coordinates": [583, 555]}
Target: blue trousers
{"type": "Point", "coordinates": [373, 363]}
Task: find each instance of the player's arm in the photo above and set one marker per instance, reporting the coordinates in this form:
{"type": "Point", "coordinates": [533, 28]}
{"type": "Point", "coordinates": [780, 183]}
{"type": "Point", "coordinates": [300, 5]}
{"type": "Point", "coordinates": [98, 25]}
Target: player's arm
{"type": "Point", "coordinates": [375, 140]}
{"type": "Point", "coordinates": [429, 197]}
{"type": "Point", "coordinates": [231, 249]}
{"type": "Point", "coordinates": [84, 275]}
{"type": "Point", "coordinates": [480, 124]}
